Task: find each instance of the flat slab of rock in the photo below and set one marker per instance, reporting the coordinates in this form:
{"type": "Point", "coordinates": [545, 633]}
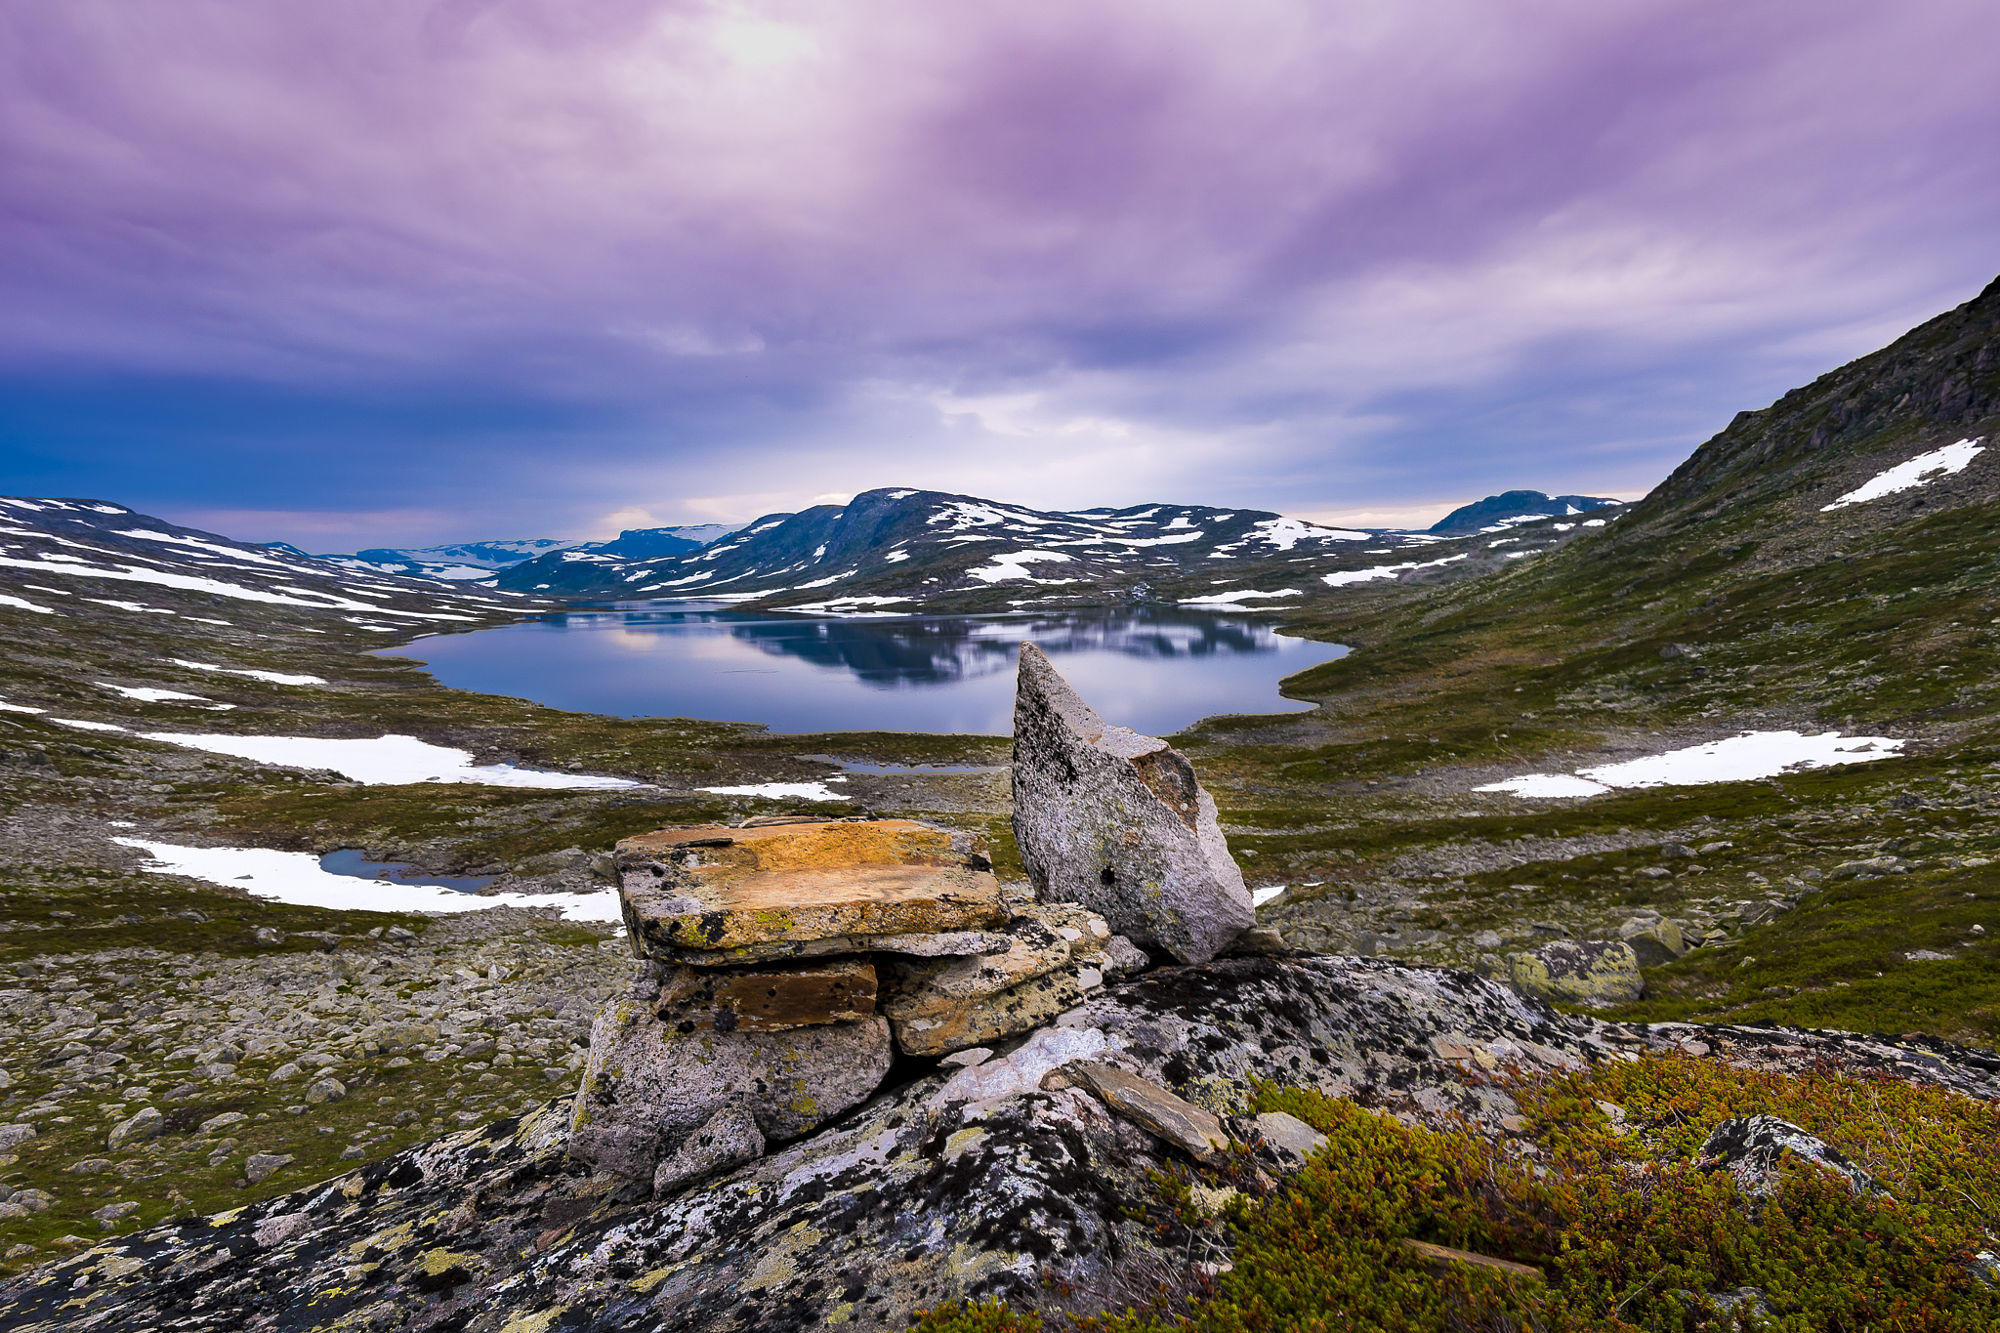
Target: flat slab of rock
{"type": "Point", "coordinates": [1115, 821]}
{"type": "Point", "coordinates": [1056, 952]}
{"type": "Point", "coordinates": [1180, 1122]}
{"type": "Point", "coordinates": [769, 999]}
{"type": "Point", "coordinates": [765, 891]}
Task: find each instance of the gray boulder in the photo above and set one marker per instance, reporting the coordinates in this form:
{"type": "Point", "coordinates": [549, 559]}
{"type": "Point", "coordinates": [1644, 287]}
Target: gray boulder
{"type": "Point", "coordinates": [1115, 821]}
{"type": "Point", "coordinates": [1757, 1149]}
{"type": "Point", "coordinates": [648, 1085]}
{"type": "Point", "coordinates": [1595, 973]}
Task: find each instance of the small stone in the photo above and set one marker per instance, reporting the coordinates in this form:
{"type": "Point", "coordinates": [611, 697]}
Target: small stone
{"type": "Point", "coordinates": [1178, 1121]}
{"type": "Point", "coordinates": [325, 1090]}
{"type": "Point", "coordinates": [146, 1124]}
{"type": "Point", "coordinates": [730, 1137]}
{"type": "Point", "coordinates": [223, 1121]}
{"type": "Point", "coordinates": [13, 1136]}
{"type": "Point", "coordinates": [110, 1214]}
{"type": "Point", "coordinates": [91, 1166]}
{"type": "Point", "coordinates": [283, 1072]}
{"type": "Point", "coordinates": [1116, 821]}
{"type": "Point", "coordinates": [1289, 1136]}
{"type": "Point", "coordinates": [262, 1166]}
{"type": "Point", "coordinates": [966, 1059]}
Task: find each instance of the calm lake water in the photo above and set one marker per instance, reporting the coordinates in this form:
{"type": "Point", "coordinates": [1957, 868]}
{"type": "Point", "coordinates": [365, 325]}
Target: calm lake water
{"type": "Point", "coordinates": [1156, 670]}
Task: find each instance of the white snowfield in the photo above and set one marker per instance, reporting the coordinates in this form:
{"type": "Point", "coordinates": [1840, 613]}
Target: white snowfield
{"type": "Point", "coordinates": [1012, 567]}
{"type": "Point", "coordinates": [1238, 597]}
{"type": "Point", "coordinates": [148, 695]}
{"type": "Point", "coordinates": [799, 791]}
{"type": "Point", "coordinates": [1918, 471]}
{"type": "Point", "coordinates": [384, 760]}
{"type": "Point", "coordinates": [197, 583]}
{"type": "Point", "coordinates": [1341, 578]}
{"type": "Point", "coordinates": [273, 677]}
{"type": "Point", "coordinates": [1754, 754]}
{"type": "Point", "coordinates": [24, 604]}
{"type": "Point", "coordinates": [296, 878]}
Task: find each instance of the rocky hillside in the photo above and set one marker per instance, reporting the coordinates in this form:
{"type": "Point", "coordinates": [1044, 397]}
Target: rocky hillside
{"type": "Point", "coordinates": [987, 1180]}
{"type": "Point", "coordinates": [906, 550]}
{"type": "Point", "coordinates": [64, 557]}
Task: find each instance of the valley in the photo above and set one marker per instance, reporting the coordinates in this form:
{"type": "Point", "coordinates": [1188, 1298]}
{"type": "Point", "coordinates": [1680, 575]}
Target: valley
{"type": "Point", "coordinates": [1748, 593]}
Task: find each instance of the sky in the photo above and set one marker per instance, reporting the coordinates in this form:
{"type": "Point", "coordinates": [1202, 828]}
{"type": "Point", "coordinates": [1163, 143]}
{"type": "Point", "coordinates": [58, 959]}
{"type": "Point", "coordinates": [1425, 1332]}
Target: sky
{"type": "Point", "coordinates": [406, 271]}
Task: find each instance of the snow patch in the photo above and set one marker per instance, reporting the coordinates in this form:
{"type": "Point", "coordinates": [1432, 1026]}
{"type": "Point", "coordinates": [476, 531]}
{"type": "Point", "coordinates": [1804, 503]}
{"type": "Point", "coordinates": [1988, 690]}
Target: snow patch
{"type": "Point", "coordinates": [273, 677]}
{"type": "Point", "coordinates": [26, 605]}
{"type": "Point", "coordinates": [384, 760]}
{"type": "Point", "coordinates": [1919, 471]}
{"type": "Point", "coordinates": [801, 791]}
{"type": "Point", "coordinates": [296, 878]}
{"type": "Point", "coordinates": [1754, 754]}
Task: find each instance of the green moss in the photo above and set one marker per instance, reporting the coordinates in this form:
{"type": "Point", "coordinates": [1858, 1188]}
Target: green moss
{"type": "Point", "coordinates": [1627, 1229]}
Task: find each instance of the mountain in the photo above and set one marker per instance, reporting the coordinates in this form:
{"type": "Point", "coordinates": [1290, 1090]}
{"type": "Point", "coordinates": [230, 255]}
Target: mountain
{"type": "Point", "coordinates": [71, 557]}
{"type": "Point", "coordinates": [480, 561]}
{"type": "Point", "coordinates": [1497, 511]}
{"type": "Point", "coordinates": [912, 549]}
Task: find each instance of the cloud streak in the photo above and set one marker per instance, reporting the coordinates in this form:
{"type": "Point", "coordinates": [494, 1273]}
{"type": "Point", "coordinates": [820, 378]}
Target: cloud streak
{"type": "Point", "coordinates": [523, 262]}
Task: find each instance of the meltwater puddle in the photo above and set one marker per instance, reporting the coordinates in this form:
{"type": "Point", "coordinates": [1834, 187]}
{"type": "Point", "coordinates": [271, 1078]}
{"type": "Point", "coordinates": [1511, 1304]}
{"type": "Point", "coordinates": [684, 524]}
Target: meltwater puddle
{"type": "Point", "coordinates": [351, 861]}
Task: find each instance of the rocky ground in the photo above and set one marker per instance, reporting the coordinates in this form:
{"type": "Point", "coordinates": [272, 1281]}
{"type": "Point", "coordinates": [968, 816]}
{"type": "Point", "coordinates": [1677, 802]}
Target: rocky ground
{"type": "Point", "coordinates": [991, 1179]}
{"type": "Point", "coordinates": [138, 1084]}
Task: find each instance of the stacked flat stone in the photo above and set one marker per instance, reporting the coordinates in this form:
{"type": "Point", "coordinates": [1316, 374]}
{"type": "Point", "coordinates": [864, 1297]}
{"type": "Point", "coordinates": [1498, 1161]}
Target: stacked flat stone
{"type": "Point", "coordinates": [788, 961]}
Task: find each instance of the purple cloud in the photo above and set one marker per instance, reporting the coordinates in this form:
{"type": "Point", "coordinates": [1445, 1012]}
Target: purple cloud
{"type": "Point", "coordinates": [516, 264]}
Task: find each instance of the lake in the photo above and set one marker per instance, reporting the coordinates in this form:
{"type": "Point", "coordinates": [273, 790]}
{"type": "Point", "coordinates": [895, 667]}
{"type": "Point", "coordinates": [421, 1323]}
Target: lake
{"type": "Point", "coordinates": [1154, 669]}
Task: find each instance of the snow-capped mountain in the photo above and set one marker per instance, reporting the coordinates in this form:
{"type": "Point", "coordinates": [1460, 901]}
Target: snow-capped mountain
{"type": "Point", "coordinates": [62, 556]}
{"type": "Point", "coordinates": [1512, 507]}
{"type": "Point", "coordinates": [905, 548]}
{"type": "Point", "coordinates": [474, 562]}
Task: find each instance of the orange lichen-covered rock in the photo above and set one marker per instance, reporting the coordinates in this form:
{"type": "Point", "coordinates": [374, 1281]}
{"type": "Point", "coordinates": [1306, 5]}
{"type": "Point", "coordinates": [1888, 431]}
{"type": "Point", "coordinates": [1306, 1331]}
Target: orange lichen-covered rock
{"type": "Point", "coordinates": [782, 890]}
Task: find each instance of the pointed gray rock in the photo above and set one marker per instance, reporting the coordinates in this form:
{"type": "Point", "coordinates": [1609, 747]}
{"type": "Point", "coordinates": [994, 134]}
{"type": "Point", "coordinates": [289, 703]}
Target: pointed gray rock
{"type": "Point", "coordinates": [1115, 821]}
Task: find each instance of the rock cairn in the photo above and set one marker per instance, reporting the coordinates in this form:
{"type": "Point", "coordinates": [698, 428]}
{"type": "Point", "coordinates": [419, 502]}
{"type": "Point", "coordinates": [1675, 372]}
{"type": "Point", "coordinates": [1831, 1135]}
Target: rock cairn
{"type": "Point", "coordinates": [789, 961]}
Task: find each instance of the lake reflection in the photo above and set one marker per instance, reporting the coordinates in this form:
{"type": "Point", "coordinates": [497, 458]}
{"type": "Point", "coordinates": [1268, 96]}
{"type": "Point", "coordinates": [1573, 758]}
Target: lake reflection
{"type": "Point", "coordinates": [1153, 669]}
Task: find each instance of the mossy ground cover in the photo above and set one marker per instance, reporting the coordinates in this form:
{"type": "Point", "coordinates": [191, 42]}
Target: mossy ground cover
{"type": "Point", "coordinates": [1606, 1195]}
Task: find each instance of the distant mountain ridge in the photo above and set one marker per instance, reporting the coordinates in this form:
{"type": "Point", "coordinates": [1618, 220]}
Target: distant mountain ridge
{"type": "Point", "coordinates": [67, 553]}
{"type": "Point", "coordinates": [908, 549]}
{"type": "Point", "coordinates": [479, 561]}
{"type": "Point", "coordinates": [1514, 507]}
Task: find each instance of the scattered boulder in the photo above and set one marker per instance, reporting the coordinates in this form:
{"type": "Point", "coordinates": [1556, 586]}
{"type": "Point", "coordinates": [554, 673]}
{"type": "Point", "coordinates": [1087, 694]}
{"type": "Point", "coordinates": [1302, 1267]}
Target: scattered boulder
{"type": "Point", "coordinates": [1115, 821]}
{"type": "Point", "coordinates": [13, 1136]}
{"type": "Point", "coordinates": [146, 1124]}
{"type": "Point", "coordinates": [1757, 1149]}
{"type": "Point", "coordinates": [262, 1166]}
{"type": "Point", "coordinates": [1654, 940]}
{"type": "Point", "coordinates": [1594, 973]}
